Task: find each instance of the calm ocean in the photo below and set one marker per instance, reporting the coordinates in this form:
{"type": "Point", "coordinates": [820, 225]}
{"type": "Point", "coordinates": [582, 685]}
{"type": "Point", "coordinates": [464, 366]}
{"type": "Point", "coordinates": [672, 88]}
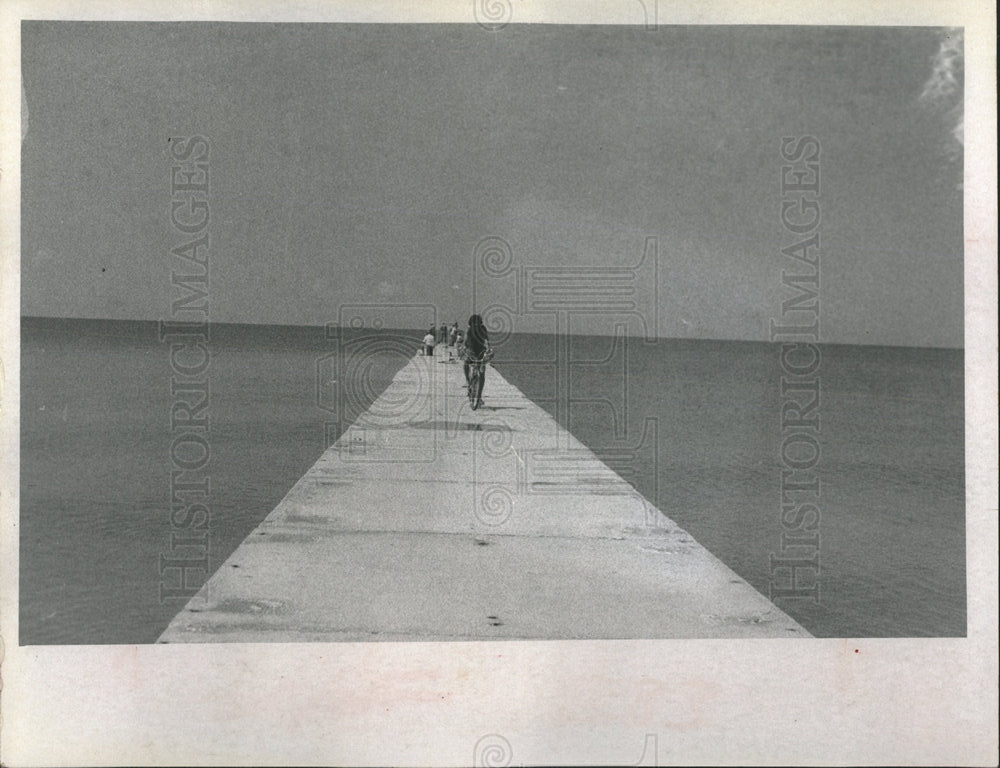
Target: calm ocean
{"type": "Point", "coordinates": [693, 425]}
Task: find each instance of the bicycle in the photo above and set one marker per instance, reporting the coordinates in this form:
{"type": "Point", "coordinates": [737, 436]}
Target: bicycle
{"type": "Point", "coordinates": [476, 370]}
{"type": "Point", "coordinates": [477, 373]}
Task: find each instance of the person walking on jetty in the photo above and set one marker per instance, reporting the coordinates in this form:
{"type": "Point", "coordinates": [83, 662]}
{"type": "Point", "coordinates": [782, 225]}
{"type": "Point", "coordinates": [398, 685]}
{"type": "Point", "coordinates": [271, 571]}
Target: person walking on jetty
{"type": "Point", "coordinates": [477, 352]}
{"type": "Point", "coordinates": [453, 334]}
{"type": "Point", "coordinates": [429, 342]}
{"type": "Point", "coordinates": [442, 340]}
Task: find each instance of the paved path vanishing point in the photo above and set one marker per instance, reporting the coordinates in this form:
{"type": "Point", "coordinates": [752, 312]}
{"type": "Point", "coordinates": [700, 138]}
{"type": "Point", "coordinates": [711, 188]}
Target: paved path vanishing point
{"type": "Point", "coordinates": [427, 520]}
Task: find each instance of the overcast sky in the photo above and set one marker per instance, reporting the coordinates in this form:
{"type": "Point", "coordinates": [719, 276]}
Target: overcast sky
{"type": "Point", "coordinates": [355, 163]}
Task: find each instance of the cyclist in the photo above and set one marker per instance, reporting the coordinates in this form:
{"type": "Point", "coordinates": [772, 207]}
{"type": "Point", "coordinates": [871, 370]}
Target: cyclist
{"type": "Point", "coordinates": [477, 352]}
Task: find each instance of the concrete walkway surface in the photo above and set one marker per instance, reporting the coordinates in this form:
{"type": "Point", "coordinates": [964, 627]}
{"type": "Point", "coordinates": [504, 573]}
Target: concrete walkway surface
{"type": "Point", "coordinates": [427, 520]}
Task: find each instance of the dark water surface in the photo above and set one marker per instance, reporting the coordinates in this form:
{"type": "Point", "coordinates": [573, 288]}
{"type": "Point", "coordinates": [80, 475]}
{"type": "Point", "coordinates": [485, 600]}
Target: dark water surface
{"type": "Point", "coordinates": [95, 466]}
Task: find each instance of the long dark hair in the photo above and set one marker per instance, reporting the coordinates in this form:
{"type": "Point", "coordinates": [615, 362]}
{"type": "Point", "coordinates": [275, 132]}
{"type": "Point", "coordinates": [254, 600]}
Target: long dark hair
{"type": "Point", "coordinates": [476, 338]}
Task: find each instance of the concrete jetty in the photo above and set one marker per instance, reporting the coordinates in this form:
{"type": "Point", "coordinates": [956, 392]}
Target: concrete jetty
{"type": "Point", "coordinates": [427, 520]}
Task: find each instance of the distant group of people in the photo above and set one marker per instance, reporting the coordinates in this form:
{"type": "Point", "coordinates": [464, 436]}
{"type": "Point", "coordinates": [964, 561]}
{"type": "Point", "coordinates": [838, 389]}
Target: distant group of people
{"type": "Point", "coordinates": [443, 340]}
{"type": "Point", "coordinates": [471, 346]}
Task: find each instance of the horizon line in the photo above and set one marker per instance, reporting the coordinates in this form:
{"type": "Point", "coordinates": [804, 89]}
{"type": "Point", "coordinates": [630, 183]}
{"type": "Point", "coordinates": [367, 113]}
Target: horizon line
{"type": "Point", "coordinates": [526, 333]}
